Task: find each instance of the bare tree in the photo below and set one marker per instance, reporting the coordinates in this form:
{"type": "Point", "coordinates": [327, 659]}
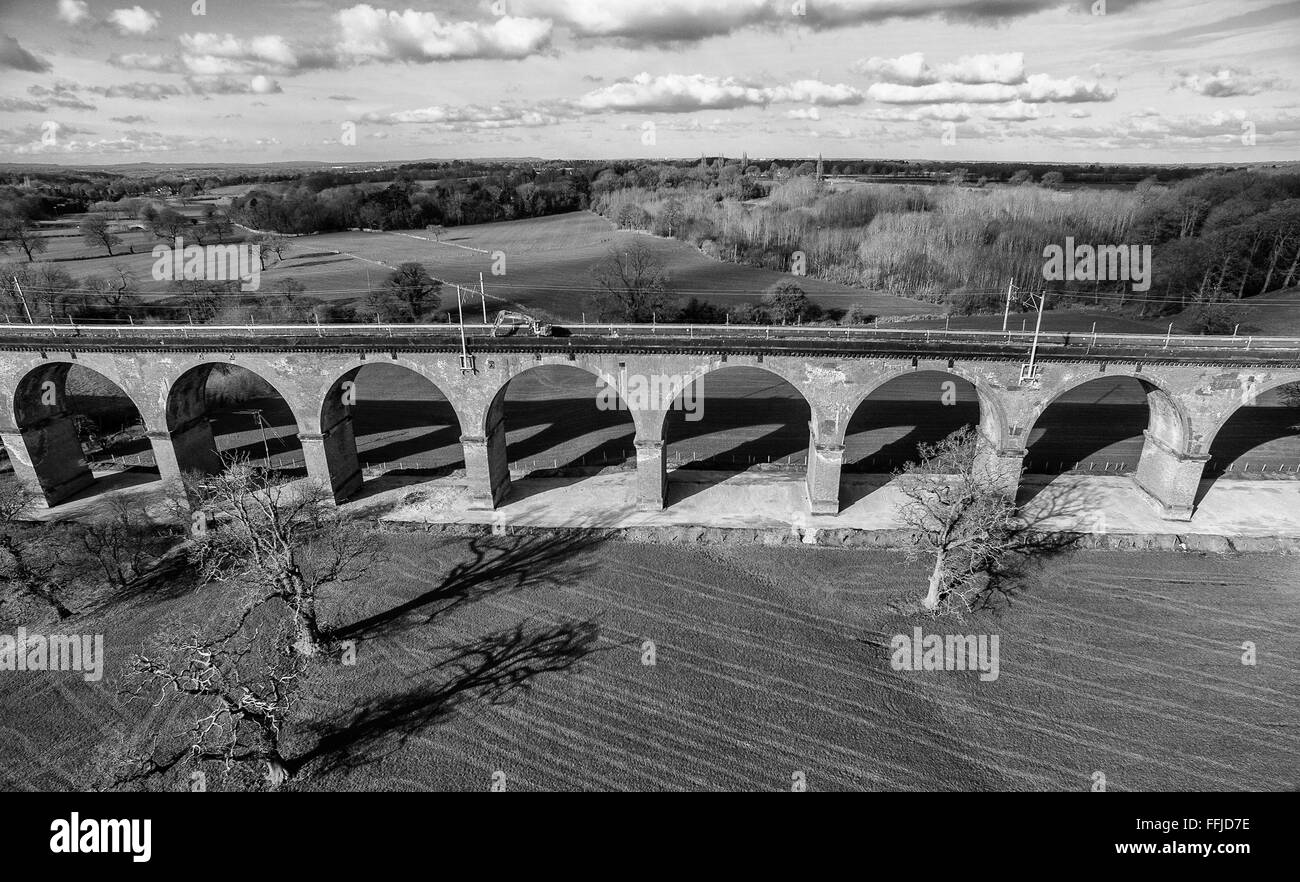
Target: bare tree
{"type": "Point", "coordinates": [235, 686]}
{"type": "Point", "coordinates": [168, 224]}
{"type": "Point", "coordinates": [415, 288]}
{"type": "Point", "coordinates": [97, 233]}
{"type": "Point", "coordinates": [116, 289]}
{"type": "Point", "coordinates": [217, 222]}
{"type": "Point", "coordinates": [634, 284]}
{"type": "Point", "coordinates": [19, 232]}
{"type": "Point", "coordinates": [268, 244]}
{"type": "Point", "coordinates": [234, 692]}
{"type": "Point", "coordinates": [280, 539]}
{"type": "Point", "coordinates": [124, 545]}
{"type": "Point", "coordinates": [959, 516]}
{"type": "Point", "coordinates": [26, 565]}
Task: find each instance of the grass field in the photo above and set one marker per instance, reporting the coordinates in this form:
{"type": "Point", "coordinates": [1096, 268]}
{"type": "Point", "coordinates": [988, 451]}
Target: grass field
{"type": "Point", "coordinates": [1276, 313]}
{"type": "Point", "coordinates": [767, 664]}
{"type": "Point", "coordinates": [548, 264]}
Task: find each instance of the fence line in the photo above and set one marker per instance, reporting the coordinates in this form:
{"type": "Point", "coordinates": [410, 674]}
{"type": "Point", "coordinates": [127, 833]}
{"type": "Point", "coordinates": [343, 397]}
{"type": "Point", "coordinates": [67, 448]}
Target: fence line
{"type": "Point", "coordinates": [678, 459]}
{"type": "Point", "coordinates": [614, 329]}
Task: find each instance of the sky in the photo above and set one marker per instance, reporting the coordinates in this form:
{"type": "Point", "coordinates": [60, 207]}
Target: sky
{"type": "Point", "coordinates": [245, 81]}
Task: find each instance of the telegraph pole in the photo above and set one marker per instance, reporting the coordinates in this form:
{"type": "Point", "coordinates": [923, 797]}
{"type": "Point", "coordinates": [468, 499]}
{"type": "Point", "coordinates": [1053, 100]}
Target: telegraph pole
{"type": "Point", "coordinates": [23, 298]}
{"type": "Point", "coordinates": [465, 363]}
{"type": "Point", "coordinates": [1006, 313]}
{"type": "Point", "coordinates": [1033, 349]}
{"type": "Point", "coordinates": [482, 290]}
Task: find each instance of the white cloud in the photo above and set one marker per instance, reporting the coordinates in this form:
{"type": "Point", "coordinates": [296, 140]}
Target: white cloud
{"type": "Point", "coordinates": [218, 55]}
{"type": "Point", "coordinates": [135, 21]}
{"type": "Point", "coordinates": [1041, 87]}
{"type": "Point", "coordinates": [412, 35]}
{"type": "Point", "coordinates": [1225, 82]}
{"type": "Point", "coordinates": [650, 19]}
{"type": "Point", "coordinates": [996, 81]}
{"type": "Point", "coordinates": [466, 117]}
{"type": "Point", "coordinates": [1038, 87]}
{"type": "Point", "coordinates": [689, 20]}
{"type": "Point", "coordinates": [1221, 131]}
{"type": "Point", "coordinates": [72, 140]}
{"type": "Point", "coordinates": [913, 70]}
{"type": "Point", "coordinates": [138, 91]}
{"type": "Point", "coordinates": [261, 85]}
{"type": "Point", "coordinates": [682, 93]}
{"type": "Point", "coordinates": [1015, 111]}
{"type": "Point", "coordinates": [73, 11]}
{"type": "Point", "coordinates": [944, 112]}
{"type": "Point", "coordinates": [151, 61]}
{"type": "Point", "coordinates": [815, 92]}
{"type": "Point", "coordinates": [937, 93]}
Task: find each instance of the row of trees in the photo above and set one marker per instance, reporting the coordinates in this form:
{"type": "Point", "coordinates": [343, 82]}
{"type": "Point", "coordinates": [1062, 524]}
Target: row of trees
{"type": "Point", "coordinates": [633, 285]}
{"type": "Point", "coordinates": [1214, 238]}
{"type": "Point", "coordinates": [405, 204]}
{"type": "Point", "coordinates": [52, 295]}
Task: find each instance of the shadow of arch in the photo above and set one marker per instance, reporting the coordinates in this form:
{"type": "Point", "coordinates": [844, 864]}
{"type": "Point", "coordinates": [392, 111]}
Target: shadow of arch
{"type": "Point", "coordinates": [748, 417]}
{"type": "Point", "coordinates": [385, 414]}
{"type": "Point", "coordinates": [558, 419]}
{"type": "Point", "coordinates": [216, 409]}
{"type": "Point", "coordinates": [69, 415]}
{"type": "Point", "coordinates": [887, 426]}
{"type": "Point", "coordinates": [1098, 426]}
{"type": "Point", "coordinates": [1254, 439]}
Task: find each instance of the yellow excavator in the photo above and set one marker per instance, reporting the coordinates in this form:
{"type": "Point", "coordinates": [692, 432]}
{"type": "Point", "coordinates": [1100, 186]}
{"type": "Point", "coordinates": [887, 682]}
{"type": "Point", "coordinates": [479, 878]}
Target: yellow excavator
{"type": "Point", "coordinates": [508, 322]}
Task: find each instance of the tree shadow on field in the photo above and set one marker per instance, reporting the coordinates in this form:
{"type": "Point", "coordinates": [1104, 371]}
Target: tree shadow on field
{"type": "Point", "coordinates": [1057, 523]}
{"type": "Point", "coordinates": [498, 565]}
{"type": "Point", "coordinates": [495, 670]}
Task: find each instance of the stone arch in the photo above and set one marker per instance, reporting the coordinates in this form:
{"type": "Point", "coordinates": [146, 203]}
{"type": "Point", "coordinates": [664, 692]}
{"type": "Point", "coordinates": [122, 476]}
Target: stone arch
{"type": "Point", "coordinates": [869, 439]}
{"type": "Point", "coordinates": [491, 448]}
{"type": "Point", "coordinates": [655, 419]}
{"type": "Point", "coordinates": [1224, 448]}
{"type": "Point", "coordinates": [993, 422]}
{"type": "Point", "coordinates": [338, 437]}
{"type": "Point", "coordinates": [188, 421]}
{"type": "Point", "coordinates": [1168, 419]}
{"type": "Point", "coordinates": [674, 419]}
{"type": "Point", "coordinates": [1249, 395]}
{"type": "Point", "coordinates": [965, 409]}
{"type": "Point", "coordinates": [1167, 469]}
{"type": "Point", "coordinates": [45, 445]}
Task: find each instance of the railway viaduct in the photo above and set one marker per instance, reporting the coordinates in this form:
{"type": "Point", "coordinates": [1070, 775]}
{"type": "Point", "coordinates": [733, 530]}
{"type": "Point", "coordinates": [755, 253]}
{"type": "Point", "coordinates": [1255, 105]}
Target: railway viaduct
{"type": "Point", "coordinates": [1193, 386]}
